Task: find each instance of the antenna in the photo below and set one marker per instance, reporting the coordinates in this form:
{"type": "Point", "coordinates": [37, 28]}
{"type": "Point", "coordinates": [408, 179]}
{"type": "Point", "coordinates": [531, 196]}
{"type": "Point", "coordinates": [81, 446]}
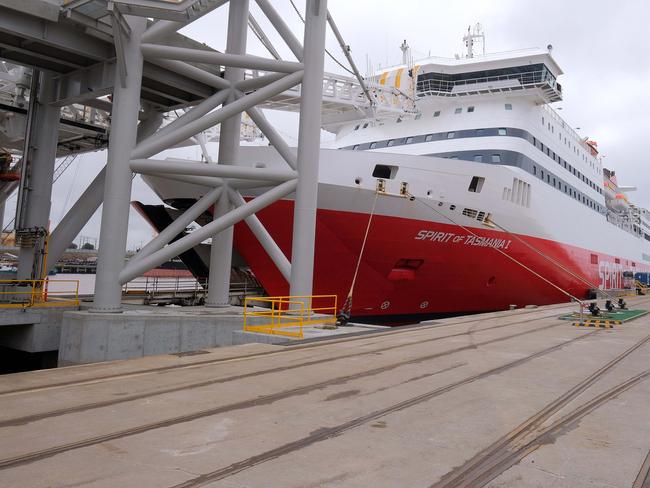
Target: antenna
{"type": "Point", "coordinates": [406, 53]}
{"type": "Point", "coordinates": [471, 37]}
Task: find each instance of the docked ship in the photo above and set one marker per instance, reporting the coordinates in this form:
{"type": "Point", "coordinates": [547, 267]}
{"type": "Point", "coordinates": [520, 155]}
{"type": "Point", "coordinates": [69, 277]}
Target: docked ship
{"type": "Point", "coordinates": [481, 198]}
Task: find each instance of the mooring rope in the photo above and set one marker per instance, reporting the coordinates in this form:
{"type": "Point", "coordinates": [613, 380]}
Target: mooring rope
{"type": "Point", "coordinates": [467, 229]}
{"type": "Point", "coordinates": [344, 313]}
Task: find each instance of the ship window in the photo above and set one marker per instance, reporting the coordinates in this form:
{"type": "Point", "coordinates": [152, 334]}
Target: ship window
{"type": "Point", "coordinates": [391, 143]}
{"type": "Point", "coordinates": [428, 138]}
{"type": "Point", "coordinates": [470, 109]}
{"type": "Point", "coordinates": [357, 127]}
{"type": "Point", "coordinates": [496, 158]}
{"type": "Point", "coordinates": [355, 147]}
{"type": "Point", "coordinates": [565, 188]}
{"type": "Point", "coordinates": [373, 145]}
{"type": "Point", "coordinates": [594, 259]}
{"type": "Point", "coordinates": [450, 135]}
{"type": "Point", "coordinates": [554, 181]}
{"type": "Point", "coordinates": [436, 113]}
{"type": "Point", "coordinates": [508, 106]}
{"type": "Point", "coordinates": [534, 170]}
{"type": "Point", "coordinates": [365, 125]}
{"type": "Point", "coordinates": [453, 157]}
{"type": "Point", "coordinates": [542, 174]}
{"type": "Point", "coordinates": [548, 178]}
{"type": "Point", "coordinates": [617, 261]}
{"type": "Point", "coordinates": [502, 132]}
{"type": "Point", "coordinates": [478, 158]}
{"type": "Point", "coordinates": [399, 120]}
{"type": "Point", "coordinates": [418, 116]}
{"type": "Point", "coordinates": [458, 110]}
{"type": "Point", "coordinates": [476, 184]}
{"type": "Point", "coordinates": [409, 140]}
{"type": "Point", "coordinates": [384, 171]}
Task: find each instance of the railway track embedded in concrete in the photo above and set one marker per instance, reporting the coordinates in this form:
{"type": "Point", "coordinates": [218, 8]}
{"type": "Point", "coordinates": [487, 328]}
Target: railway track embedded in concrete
{"type": "Point", "coordinates": [509, 449]}
{"type": "Point", "coordinates": [45, 453]}
{"type": "Point", "coordinates": [279, 351]}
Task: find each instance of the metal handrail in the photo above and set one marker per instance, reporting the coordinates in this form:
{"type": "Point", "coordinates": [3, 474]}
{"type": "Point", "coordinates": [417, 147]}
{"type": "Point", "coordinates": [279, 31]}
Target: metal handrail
{"type": "Point", "coordinates": [294, 311]}
{"type": "Point", "coordinates": [36, 294]}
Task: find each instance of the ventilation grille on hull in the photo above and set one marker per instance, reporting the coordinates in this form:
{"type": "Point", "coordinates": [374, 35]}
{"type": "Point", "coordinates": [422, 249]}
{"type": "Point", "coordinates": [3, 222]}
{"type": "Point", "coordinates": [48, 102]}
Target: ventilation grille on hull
{"type": "Point", "coordinates": [479, 215]}
{"type": "Point", "coordinates": [519, 193]}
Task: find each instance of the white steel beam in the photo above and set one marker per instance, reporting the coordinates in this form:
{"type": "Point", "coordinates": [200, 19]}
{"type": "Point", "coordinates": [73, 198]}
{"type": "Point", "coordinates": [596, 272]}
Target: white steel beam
{"type": "Point", "coordinates": [117, 188]}
{"type": "Point", "coordinates": [179, 224]}
{"type": "Point", "coordinates": [282, 28]}
{"type": "Point", "coordinates": [248, 61]}
{"type": "Point", "coordinates": [229, 140]}
{"type": "Point", "coordinates": [198, 168]}
{"type": "Point", "coordinates": [164, 28]}
{"type": "Point", "coordinates": [132, 270]}
{"type": "Point", "coordinates": [263, 236]}
{"type": "Point", "coordinates": [305, 203]}
{"type": "Point", "coordinates": [149, 148]}
{"type": "Point", "coordinates": [191, 115]}
{"type": "Point", "coordinates": [278, 142]}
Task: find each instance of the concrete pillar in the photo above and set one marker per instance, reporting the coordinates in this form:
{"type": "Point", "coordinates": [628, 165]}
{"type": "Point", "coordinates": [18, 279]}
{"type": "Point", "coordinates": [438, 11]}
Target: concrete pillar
{"type": "Point", "coordinates": [41, 156]}
{"type": "Point", "coordinates": [304, 214]}
{"type": "Point", "coordinates": [221, 249]}
{"type": "Point", "coordinates": [117, 187]}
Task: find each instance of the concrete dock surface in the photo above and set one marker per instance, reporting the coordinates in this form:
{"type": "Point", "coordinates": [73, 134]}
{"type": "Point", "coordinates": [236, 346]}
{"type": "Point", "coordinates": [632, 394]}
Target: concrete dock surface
{"type": "Point", "coordinates": [506, 399]}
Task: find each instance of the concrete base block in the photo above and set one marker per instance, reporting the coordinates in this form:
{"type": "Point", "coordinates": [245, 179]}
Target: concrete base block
{"type": "Point", "coordinates": [242, 337]}
{"type": "Point", "coordinates": [32, 330]}
{"type": "Point", "coordinates": [88, 337]}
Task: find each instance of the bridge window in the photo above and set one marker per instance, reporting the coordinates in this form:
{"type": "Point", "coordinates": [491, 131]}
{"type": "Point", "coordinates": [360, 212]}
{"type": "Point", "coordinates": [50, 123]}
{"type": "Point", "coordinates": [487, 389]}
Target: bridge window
{"type": "Point", "coordinates": [470, 109]}
{"type": "Point", "coordinates": [436, 113]}
{"type": "Point", "coordinates": [496, 158]}
{"type": "Point", "coordinates": [503, 131]}
{"type": "Point", "coordinates": [450, 135]}
{"type": "Point", "coordinates": [391, 143]}
{"type": "Point", "coordinates": [476, 184]}
{"type": "Point", "coordinates": [478, 158]}
{"type": "Point", "coordinates": [508, 106]}
{"type": "Point", "coordinates": [458, 110]}
{"type": "Point", "coordinates": [428, 138]}
{"type": "Point", "coordinates": [409, 140]}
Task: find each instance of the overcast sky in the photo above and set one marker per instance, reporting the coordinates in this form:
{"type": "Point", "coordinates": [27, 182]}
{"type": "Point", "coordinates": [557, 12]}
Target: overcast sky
{"type": "Point", "coordinates": [601, 45]}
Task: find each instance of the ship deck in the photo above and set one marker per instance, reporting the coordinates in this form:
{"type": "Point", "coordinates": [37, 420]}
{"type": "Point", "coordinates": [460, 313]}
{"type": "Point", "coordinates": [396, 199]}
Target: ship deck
{"type": "Point", "coordinates": [506, 399]}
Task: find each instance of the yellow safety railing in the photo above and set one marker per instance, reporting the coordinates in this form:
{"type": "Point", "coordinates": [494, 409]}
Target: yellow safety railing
{"type": "Point", "coordinates": [287, 315]}
{"type": "Point", "coordinates": [36, 293]}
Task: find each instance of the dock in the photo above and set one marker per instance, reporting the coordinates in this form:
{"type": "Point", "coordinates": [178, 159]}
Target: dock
{"type": "Point", "coordinates": [505, 399]}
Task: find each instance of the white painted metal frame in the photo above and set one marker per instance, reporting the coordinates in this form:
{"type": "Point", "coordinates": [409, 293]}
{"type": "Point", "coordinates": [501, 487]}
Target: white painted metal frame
{"type": "Point", "coordinates": [234, 95]}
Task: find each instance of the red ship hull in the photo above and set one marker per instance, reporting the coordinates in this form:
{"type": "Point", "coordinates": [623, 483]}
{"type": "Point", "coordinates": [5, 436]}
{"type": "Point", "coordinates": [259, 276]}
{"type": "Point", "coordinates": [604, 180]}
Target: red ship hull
{"type": "Point", "coordinates": [413, 268]}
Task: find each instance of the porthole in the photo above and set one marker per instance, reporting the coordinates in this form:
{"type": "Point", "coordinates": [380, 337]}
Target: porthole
{"type": "Point", "coordinates": [424, 304]}
{"type": "Point", "coordinates": [357, 180]}
{"type": "Point", "coordinates": [385, 305]}
{"type": "Point", "coordinates": [429, 193]}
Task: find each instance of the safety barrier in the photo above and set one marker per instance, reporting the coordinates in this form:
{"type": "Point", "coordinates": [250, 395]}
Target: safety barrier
{"type": "Point", "coordinates": [287, 315]}
{"type": "Point", "coordinates": [36, 293]}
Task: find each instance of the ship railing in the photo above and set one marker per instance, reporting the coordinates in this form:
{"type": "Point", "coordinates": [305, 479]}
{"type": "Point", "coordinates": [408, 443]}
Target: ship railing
{"type": "Point", "coordinates": [287, 315]}
{"type": "Point", "coordinates": [339, 90]}
{"type": "Point", "coordinates": [157, 285]}
{"type": "Point", "coordinates": [557, 118]}
{"type": "Point", "coordinates": [38, 293]}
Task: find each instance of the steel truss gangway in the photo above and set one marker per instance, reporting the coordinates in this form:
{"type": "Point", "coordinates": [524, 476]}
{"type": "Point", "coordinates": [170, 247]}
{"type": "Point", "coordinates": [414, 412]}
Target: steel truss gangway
{"type": "Point", "coordinates": [125, 58]}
